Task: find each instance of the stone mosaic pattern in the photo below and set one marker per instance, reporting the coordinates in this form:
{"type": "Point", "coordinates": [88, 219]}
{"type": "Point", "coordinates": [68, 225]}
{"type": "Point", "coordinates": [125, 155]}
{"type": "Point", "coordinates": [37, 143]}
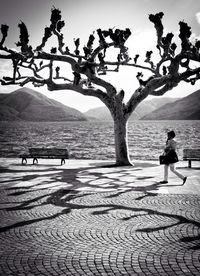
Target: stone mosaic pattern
{"type": "Point", "coordinates": [64, 232]}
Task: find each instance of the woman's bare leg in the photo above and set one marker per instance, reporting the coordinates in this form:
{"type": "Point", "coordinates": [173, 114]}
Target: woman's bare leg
{"type": "Point", "coordinates": [172, 168]}
{"type": "Point", "coordinates": [166, 167]}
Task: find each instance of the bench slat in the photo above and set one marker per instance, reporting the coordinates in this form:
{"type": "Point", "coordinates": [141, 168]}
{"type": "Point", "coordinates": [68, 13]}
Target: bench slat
{"type": "Point", "coordinates": [48, 152]}
{"type": "Point", "coordinates": [191, 155]}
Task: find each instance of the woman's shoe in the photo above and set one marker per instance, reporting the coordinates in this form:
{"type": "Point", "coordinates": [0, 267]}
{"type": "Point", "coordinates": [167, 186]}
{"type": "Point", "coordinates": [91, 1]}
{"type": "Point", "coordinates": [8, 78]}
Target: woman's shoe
{"type": "Point", "coordinates": [163, 182]}
{"type": "Point", "coordinates": [184, 180]}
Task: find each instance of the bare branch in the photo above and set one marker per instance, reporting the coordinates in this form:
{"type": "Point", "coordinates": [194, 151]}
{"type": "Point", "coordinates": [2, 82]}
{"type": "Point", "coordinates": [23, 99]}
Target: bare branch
{"type": "Point", "coordinates": [129, 64]}
{"type": "Point", "coordinates": [22, 81]}
{"type": "Point", "coordinates": [151, 89]}
{"type": "Point", "coordinates": [157, 20]}
{"type": "Point", "coordinates": [4, 31]}
{"type": "Point", "coordinates": [6, 56]}
{"type": "Point", "coordinates": [24, 40]}
{"type": "Point", "coordinates": [184, 35]}
{"type": "Point", "coordinates": [168, 86]}
{"type": "Point", "coordinates": [148, 59]}
{"type": "Point", "coordinates": [30, 68]}
{"type": "Point", "coordinates": [186, 76]}
{"type": "Point", "coordinates": [133, 102]}
{"type": "Point", "coordinates": [108, 87]}
{"type": "Point", "coordinates": [47, 35]}
{"type": "Point", "coordinates": [84, 91]}
{"type": "Point", "coordinates": [47, 56]}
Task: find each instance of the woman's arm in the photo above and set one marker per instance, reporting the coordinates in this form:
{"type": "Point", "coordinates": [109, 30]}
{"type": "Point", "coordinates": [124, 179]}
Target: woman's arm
{"type": "Point", "coordinates": [171, 145]}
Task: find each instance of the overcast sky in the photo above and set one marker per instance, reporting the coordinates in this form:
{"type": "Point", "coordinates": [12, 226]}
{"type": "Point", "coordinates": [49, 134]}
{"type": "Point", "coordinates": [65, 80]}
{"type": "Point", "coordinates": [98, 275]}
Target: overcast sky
{"type": "Point", "coordinates": [82, 17]}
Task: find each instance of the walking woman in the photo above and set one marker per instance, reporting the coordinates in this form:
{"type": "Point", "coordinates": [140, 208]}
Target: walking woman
{"type": "Point", "coordinates": [171, 158]}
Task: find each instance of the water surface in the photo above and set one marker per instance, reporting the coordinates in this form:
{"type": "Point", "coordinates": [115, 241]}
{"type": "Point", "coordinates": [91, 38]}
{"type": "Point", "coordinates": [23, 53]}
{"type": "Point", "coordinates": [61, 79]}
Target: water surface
{"type": "Point", "coordinates": [95, 140]}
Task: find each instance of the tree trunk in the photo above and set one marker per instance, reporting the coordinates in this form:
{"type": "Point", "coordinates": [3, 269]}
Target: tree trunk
{"type": "Point", "coordinates": [121, 145]}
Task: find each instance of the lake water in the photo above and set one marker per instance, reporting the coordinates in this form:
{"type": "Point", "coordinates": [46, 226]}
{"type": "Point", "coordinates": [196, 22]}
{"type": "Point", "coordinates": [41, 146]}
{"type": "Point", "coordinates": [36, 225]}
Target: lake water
{"type": "Point", "coordinates": [95, 140]}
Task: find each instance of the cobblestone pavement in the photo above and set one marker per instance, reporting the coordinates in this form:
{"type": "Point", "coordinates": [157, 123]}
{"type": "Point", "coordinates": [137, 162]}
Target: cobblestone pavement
{"type": "Point", "coordinates": [62, 230]}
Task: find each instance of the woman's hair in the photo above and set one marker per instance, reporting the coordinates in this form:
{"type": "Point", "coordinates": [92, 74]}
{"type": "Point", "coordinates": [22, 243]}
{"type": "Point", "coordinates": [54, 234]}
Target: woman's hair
{"type": "Point", "coordinates": [171, 133]}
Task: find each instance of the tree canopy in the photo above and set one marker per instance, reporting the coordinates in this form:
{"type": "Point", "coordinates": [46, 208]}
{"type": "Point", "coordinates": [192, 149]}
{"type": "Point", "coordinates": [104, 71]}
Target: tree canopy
{"type": "Point", "coordinates": [89, 63]}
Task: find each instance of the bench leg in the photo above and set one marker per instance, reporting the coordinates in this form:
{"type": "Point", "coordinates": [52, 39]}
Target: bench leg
{"type": "Point", "coordinates": [189, 163]}
{"type": "Point", "coordinates": [62, 161]}
{"type": "Point", "coordinates": [35, 159]}
{"type": "Point", "coordinates": [24, 159]}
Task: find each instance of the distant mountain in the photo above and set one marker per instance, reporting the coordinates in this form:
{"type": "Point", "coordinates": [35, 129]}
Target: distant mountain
{"type": "Point", "coordinates": [99, 113]}
{"type": "Point", "coordinates": [29, 105]}
{"type": "Point", "coordinates": [187, 108]}
{"type": "Point", "coordinates": [145, 107]}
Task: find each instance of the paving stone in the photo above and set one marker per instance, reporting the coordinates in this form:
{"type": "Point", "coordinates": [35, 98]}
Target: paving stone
{"type": "Point", "coordinates": [139, 231]}
{"type": "Point", "coordinates": [151, 242]}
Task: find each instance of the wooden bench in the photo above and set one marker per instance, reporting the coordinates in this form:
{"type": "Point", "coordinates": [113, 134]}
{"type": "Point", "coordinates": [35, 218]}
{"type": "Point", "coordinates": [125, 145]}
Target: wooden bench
{"type": "Point", "coordinates": [47, 153]}
{"type": "Point", "coordinates": [191, 155]}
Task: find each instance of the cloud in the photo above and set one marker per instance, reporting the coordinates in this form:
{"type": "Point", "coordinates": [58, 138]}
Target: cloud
{"type": "Point", "coordinates": [194, 38]}
{"type": "Point", "coordinates": [198, 17]}
{"type": "Point", "coordinates": [5, 67]}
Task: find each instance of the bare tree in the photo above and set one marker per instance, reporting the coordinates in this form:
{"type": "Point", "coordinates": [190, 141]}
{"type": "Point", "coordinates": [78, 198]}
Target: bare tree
{"type": "Point", "coordinates": [90, 65]}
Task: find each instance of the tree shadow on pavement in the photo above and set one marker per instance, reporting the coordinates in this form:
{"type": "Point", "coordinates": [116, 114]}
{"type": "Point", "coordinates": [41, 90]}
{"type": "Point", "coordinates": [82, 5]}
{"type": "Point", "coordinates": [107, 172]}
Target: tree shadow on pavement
{"type": "Point", "coordinates": [45, 191]}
